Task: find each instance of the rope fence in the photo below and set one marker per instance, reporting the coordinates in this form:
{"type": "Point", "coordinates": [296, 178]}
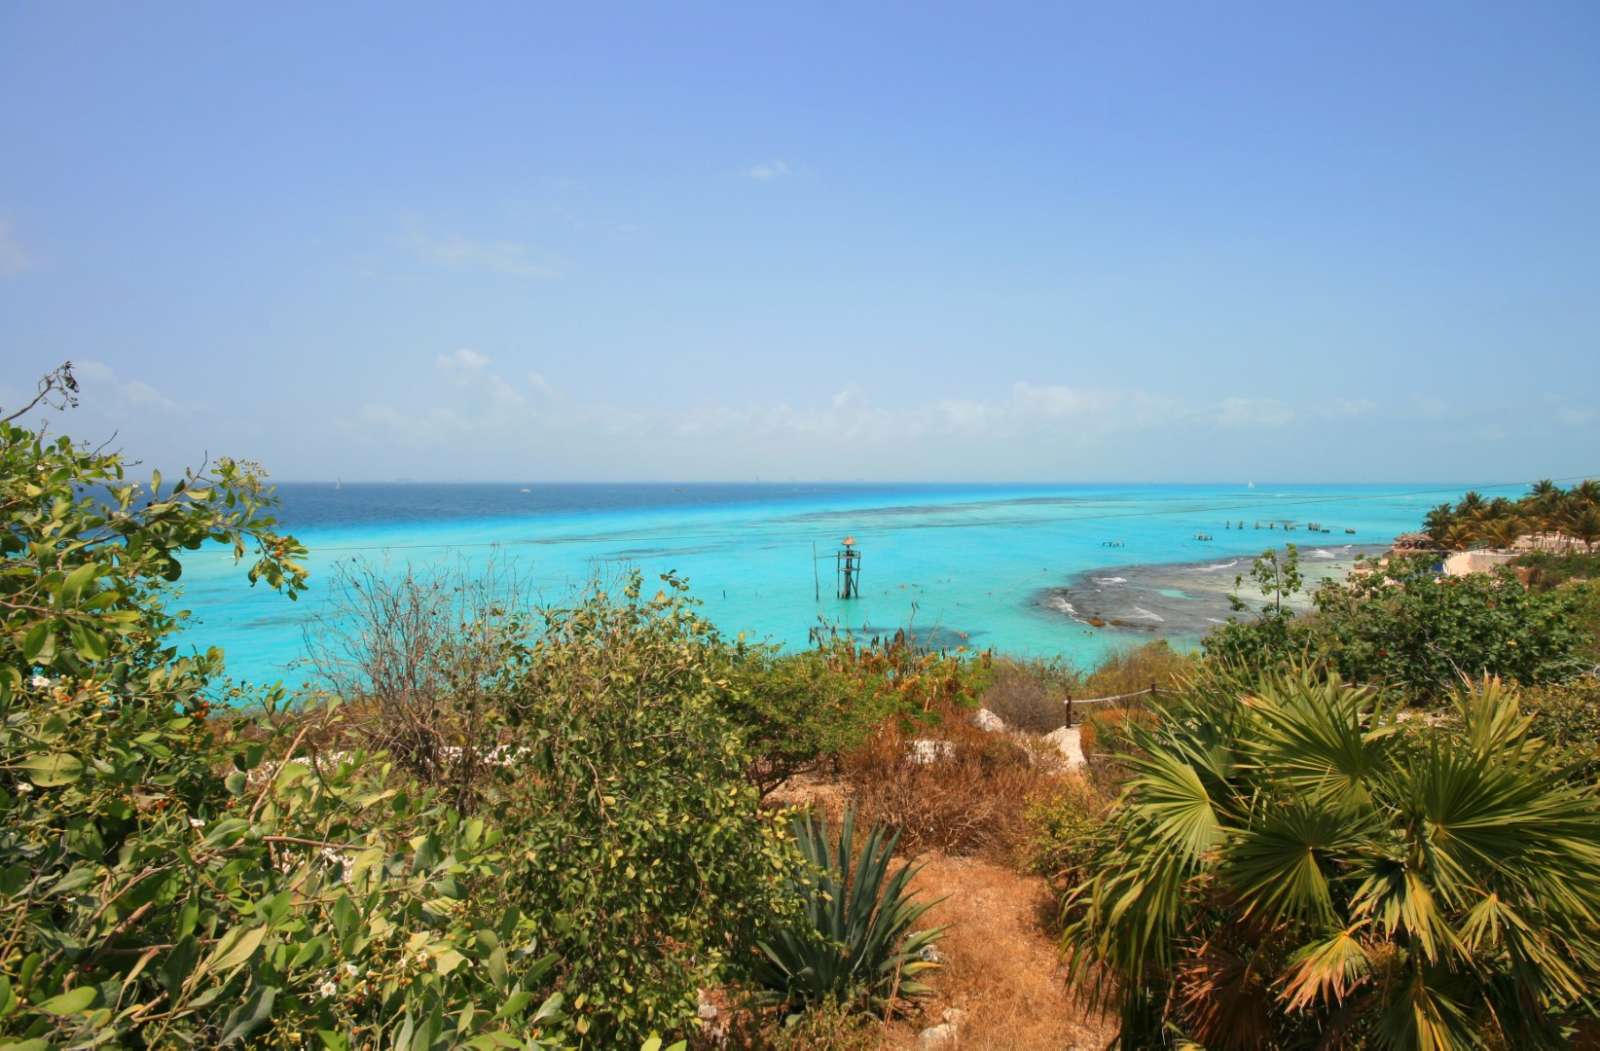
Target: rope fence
{"type": "Point", "coordinates": [1072, 703]}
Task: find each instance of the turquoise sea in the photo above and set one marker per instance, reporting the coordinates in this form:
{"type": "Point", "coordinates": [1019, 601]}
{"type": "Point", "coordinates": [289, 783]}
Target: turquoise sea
{"type": "Point", "coordinates": [962, 563]}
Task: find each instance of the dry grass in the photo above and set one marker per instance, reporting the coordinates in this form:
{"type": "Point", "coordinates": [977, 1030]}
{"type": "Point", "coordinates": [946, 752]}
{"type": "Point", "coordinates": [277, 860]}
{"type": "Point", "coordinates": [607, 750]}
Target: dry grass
{"type": "Point", "coordinates": [970, 800]}
{"type": "Point", "coordinates": [827, 796]}
{"type": "Point", "coordinates": [1153, 664]}
{"type": "Point", "coordinates": [1001, 964]}
{"type": "Point", "coordinates": [1104, 729]}
{"type": "Point", "coordinates": [1002, 967]}
{"type": "Point", "coordinates": [1029, 695]}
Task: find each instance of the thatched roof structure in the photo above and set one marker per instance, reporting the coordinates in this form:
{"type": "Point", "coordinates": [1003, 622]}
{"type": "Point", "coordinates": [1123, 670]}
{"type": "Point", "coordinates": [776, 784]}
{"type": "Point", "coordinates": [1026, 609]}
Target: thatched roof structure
{"type": "Point", "coordinates": [1415, 542]}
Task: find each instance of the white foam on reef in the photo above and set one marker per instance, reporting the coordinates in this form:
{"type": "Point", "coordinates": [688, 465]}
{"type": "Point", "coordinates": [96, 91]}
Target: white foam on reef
{"type": "Point", "coordinates": [1110, 580]}
{"type": "Point", "coordinates": [1323, 552]}
{"type": "Point", "coordinates": [1213, 569]}
{"type": "Point", "coordinates": [1140, 613]}
{"type": "Point", "coordinates": [1061, 605]}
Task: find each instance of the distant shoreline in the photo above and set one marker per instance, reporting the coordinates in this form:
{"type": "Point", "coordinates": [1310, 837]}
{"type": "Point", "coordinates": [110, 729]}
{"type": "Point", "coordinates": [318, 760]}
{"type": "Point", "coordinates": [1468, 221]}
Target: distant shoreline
{"type": "Point", "coordinates": [1182, 601]}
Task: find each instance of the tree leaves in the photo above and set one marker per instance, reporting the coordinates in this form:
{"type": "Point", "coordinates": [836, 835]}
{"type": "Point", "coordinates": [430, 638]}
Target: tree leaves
{"type": "Point", "coordinates": [235, 948]}
{"type": "Point", "coordinates": [74, 1001]}
{"type": "Point", "coordinates": [1450, 874]}
{"type": "Point", "coordinates": [53, 770]}
{"type": "Point", "coordinates": [39, 644]}
{"type": "Point", "coordinates": [249, 1016]}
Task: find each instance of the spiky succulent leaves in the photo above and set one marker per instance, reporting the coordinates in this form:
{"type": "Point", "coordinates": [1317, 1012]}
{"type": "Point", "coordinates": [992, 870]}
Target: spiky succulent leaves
{"type": "Point", "coordinates": [855, 944]}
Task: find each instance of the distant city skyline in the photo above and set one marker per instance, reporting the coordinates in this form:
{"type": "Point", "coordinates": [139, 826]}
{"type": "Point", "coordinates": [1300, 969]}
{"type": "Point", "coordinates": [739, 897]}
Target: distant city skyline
{"type": "Point", "coordinates": [706, 242]}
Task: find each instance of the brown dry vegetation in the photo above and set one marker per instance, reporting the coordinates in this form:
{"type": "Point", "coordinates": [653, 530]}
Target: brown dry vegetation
{"type": "Point", "coordinates": [1104, 728]}
{"type": "Point", "coordinates": [1002, 967]}
{"type": "Point", "coordinates": [972, 799]}
{"type": "Point", "coordinates": [995, 823]}
{"type": "Point", "coordinates": [1030, 695]}
{"type": "Point", "coordinates": [1128, 671]}
{"type": "Point", "coordinates": [965, 820]}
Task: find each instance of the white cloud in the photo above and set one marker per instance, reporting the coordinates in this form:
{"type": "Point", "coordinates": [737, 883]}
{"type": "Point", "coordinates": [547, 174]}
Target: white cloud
{"type": "Point", "coordinates": [504, 394]}
{"type": "Point", "coordinates": [1569, 415]}
{"type": "Point", "coordinates": [453, 251]}
{"type": "Point", "coordinates": [463, 361]}
{"type": "Point", "coordinates": [470, 369]}
{"type": "Point", "coordinates": [141, 393]}
{"type": "Point", "coordinates": [97, 378]}
{"type": "Point", "coordinates": [852, 397]}
{"type": "Point", "coordinates": [971, 417]}
{"type": "Point", "coordinates": [766, 171]}
{"type": "Point", "coordinates": [426, 429]}
{"type": "Point", "coordinates": [1252, 412]}
{"type": "Point", "coordinates": [1058, 400]}
{"type": "Point", "coordinates": [14, 259]}
{"type": "Point", "coordinates": [1037, 428]}
{"type": "Point", "coordinates": [1341, 409]}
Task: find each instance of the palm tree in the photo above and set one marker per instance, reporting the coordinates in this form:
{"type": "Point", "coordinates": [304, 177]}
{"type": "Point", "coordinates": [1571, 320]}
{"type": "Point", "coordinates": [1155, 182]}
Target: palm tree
{"type": "Point", "coordinates": [1583, 525]}
{"type": "Point", "coordinates": [1505, 531]}
{"type": "Point", "coordinates": [1461, 535]}
{"type": "Point", "coordinates": [1290, 867]}
{"type": "Point", "coordinates": [1438, 522]}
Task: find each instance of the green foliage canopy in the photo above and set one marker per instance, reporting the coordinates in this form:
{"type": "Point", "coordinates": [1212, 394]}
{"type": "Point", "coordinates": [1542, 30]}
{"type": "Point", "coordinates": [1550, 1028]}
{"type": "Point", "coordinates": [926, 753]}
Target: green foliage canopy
{"type": "Point", "coordinates": [170, 877]}
{"type": "Point", "coordinates": [1289, 865]}
{"type": "Point", "coordinates": [1403, 625]}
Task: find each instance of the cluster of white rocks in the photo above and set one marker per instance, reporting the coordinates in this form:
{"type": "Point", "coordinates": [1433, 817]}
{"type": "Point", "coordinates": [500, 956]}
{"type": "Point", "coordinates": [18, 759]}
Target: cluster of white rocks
{"type": "Point", "coordinates": [1063, 742]}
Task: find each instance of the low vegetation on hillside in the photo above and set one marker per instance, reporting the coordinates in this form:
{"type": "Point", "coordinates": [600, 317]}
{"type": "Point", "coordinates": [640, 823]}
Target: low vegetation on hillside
{"type": "Point", "coordinates": [601, 823]}
{"type": "Point", "coordinates": [1564, 519]}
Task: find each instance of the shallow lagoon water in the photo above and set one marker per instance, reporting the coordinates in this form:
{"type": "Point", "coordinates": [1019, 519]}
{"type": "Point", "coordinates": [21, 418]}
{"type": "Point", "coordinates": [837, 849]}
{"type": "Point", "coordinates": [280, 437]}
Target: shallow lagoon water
{"type": "Point", "coordinates": [967, 564]}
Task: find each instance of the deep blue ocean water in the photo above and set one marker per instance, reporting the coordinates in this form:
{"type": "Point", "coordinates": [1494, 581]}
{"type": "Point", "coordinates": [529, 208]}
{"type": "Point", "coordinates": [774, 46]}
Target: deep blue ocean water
{"type": "Point", "coordinates": [964, 563]}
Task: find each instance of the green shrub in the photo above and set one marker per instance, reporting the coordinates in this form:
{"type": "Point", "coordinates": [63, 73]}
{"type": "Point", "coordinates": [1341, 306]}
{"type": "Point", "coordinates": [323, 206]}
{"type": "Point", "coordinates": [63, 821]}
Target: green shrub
{"type": "Point", "coordinates": [798, 712]}
{"type": "Point", "coordinates": [1287, 870]}
{"type": "Point", "coordinates": [825, 1026]}
{"type": "Point", "coordinates": [1409, 627]}
{"type": "Point", "coordinates": [1549, 569]}
{"type": "Point", "coordinates": [1403, 625]}
{"type": "Point", "coordinates": [638, 839]}
{"type": "Point", "coordinates": [854, 944]}
{"type": "Point", "coordinates": [1569, 718]}
{"type": "Point", "coordinates": [1061, 827]}
{"type": "Point", "coordinates": [1583, 597]}
{"type": "Point", "coordinates": [170, 880]}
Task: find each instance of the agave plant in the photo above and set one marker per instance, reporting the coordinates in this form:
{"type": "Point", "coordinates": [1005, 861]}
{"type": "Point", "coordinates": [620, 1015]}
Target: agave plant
{"type": "Point", "coordinates": [1292, 866]}
{"type": "Point", "coordinates": [853, 942]}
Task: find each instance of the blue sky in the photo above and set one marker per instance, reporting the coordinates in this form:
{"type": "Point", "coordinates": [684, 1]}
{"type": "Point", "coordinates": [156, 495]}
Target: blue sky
{"type": "Point", "coordinates": [986, 242]}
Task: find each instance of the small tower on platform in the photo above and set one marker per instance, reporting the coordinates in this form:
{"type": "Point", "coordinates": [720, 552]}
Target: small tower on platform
{"type": "Point", "coordinates": [847, 568]}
